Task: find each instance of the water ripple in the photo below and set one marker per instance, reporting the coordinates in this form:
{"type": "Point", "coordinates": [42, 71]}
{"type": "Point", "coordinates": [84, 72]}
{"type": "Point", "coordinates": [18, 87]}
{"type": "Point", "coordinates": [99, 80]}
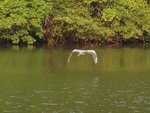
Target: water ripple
{"type": "Point", "coordinates": [49, 104]}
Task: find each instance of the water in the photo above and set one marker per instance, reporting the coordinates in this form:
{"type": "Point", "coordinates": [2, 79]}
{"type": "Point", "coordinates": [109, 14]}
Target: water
{"type": "Point", "coordinates": [39, 80]}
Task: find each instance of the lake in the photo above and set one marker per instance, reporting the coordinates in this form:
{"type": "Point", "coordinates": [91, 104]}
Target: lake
{"type": "Point", "coordinates": [39, 80]}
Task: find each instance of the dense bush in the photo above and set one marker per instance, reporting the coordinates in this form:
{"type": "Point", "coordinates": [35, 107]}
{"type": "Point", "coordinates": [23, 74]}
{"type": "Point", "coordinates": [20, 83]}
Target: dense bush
{"type": "Point", "coordinates": [102, 18]}
{"type": "Point", "coordinates": [29, 20]}
{"type": "Point", "coordinates": [21, 20]}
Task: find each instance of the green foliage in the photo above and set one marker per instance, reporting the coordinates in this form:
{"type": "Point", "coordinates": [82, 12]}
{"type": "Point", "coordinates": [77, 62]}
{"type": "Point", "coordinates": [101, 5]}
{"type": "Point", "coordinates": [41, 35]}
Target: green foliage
{"type": "Point", "coordinates": [125, 18]}
{"type": "Point", "coordinates": [129, 18]}
{"type": "Point", "coordinates": [21, 20]}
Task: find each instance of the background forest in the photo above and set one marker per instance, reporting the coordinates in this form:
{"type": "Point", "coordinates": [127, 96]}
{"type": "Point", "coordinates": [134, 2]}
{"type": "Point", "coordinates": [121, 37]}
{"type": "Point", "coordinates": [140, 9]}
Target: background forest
{"type": "Point", "coordinates": [61, 21]}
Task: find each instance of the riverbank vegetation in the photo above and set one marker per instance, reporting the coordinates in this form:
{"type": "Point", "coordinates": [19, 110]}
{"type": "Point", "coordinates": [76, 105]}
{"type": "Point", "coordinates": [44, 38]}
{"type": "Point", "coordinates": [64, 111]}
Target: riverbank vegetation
{"type": "Point", "coordinates": [78, 21]}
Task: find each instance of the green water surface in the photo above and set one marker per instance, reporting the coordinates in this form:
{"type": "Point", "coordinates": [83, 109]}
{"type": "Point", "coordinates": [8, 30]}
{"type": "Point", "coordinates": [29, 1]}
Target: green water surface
{"type": "Point", "coordinates": [39, 80]}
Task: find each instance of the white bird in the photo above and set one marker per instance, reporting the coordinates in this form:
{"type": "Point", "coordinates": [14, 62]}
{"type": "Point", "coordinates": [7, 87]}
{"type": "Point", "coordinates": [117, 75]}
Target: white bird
{"type": "Point", "coordinates": [83, 52]}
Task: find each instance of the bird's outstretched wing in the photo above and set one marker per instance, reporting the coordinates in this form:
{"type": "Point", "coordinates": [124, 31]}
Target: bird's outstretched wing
{"type": "Point", "coordinates": [69, 57]}
{"type": "Point", "coordinates": [75, 50]}
{"type": "Point", "coordinates": [94, 55]}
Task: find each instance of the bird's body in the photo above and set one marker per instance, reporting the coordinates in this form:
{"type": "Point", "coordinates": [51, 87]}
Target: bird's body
{"type": "Point", "coordinates": [83, 52]}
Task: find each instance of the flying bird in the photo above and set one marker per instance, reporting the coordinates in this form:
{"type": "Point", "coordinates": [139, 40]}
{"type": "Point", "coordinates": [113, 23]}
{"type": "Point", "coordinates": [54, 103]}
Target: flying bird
{"type": "Point", "coordinates": [83, 52]}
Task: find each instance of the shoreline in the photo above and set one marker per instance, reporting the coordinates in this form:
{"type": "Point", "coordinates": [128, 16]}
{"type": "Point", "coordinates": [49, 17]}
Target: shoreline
{"type": "Point", "coordinates": [81, 43]}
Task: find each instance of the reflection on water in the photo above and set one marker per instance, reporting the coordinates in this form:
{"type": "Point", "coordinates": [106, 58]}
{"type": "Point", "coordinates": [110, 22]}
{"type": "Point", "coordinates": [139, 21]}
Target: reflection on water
{"type": "Point", "coordinates": [41, 81]}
